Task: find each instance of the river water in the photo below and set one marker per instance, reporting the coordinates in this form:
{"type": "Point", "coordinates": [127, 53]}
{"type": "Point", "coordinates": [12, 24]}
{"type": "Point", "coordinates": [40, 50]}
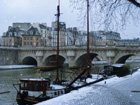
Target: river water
{"type": "Point", "coordinates": [10, 77]}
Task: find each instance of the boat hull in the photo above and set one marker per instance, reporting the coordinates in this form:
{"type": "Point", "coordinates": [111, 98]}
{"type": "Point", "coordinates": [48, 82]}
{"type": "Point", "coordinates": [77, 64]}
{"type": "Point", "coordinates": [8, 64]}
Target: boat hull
{"type": "Point", "coordinates": [29, 100]}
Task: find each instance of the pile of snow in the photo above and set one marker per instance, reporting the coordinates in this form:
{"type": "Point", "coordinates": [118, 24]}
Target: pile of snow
{"type": "Point", "coordinates": [57, 86]}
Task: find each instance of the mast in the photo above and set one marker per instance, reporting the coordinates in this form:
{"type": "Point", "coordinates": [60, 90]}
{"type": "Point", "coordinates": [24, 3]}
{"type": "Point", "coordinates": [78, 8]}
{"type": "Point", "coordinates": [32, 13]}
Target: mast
{"type": "Point", "coordinates": [58, 14]}
{"type": "Point", "coordinates": [88, 37]}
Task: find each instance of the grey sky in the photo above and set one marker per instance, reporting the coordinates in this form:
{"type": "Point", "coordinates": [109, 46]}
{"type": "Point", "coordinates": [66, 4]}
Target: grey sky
{"type": "Point", "coordinates": [42, 11]}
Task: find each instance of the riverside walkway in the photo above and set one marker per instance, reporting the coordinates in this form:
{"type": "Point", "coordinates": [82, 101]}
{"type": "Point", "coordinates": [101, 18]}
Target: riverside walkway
{"type": "Point", "coordinates": [116, 91]}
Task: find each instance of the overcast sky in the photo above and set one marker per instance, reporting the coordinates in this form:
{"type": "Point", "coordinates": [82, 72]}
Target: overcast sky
{"type": "Point", "coordinates": [42, 11]}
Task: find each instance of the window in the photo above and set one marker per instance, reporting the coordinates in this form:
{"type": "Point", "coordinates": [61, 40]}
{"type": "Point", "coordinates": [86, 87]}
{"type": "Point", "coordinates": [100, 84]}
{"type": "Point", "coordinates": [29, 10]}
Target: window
{"type": "Point", "coordinates": [31, 32]}
{"type": "Point", "coordinates": [25, 83]}
{"type": "Point", "coordinates": [58, 92]}
{"type": "Point", "coordinates": [61, 92]}
{"type": "Point", "coordinates": [36, 43]}
{"type": "Point", "coordinates": [36, 38]}
{"type": "Point", "coordinates": [31, 43]}
{"type": "Point", "coordinates": [55, 93]}
{"type": "Point", "coordinates": [24, 43]}
{"type": "Point", "coordinates": [47, 84]}
{"type": "Point", "coordinates": [30, 85]}
{"type": "Point", "coordinates": [30, 38]}
{"type": "Point", "coordinates": [24, 38]}
{"type": "Point", "coordinates": [35, 85]}
{"type": "Point", "coordinates": [22, 85]}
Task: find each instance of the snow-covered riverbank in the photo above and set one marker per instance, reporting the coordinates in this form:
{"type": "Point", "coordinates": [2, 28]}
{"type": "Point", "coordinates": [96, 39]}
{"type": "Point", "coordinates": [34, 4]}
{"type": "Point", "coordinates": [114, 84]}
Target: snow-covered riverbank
{"type": "Point", "coordinates": [15, 67]}
{"type": "Point", "coordinates": [116, 91]}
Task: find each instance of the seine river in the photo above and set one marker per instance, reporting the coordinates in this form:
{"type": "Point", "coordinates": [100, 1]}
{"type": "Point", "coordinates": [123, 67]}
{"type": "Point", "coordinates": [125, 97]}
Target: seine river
{"type": "Point", "coordinates": [10, 77]}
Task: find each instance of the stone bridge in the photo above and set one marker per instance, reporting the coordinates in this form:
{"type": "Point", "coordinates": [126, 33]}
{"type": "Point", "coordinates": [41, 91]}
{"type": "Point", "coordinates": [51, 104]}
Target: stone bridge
{"type": "Point", "coordinates": [74, 56]}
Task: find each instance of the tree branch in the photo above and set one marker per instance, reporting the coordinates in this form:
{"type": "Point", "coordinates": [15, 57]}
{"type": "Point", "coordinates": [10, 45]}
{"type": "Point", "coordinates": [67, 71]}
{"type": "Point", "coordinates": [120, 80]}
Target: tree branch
{"type": "Point", "coordinates": [134, 2]}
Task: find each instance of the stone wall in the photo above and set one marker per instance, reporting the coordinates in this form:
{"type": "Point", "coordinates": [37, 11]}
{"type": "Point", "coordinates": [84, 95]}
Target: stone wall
{"type": "Point", "coordinates": [8, 57]}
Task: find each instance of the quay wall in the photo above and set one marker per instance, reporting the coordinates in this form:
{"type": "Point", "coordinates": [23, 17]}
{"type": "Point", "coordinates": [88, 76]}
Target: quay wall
{"type": "Point", "coordinates": [9, 57]}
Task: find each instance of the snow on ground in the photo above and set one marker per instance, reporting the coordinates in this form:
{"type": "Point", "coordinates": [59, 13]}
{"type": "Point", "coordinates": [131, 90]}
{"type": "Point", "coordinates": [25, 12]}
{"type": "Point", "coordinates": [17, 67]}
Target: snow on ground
{"type": "Point", "coordinates": [116, 91]}
{"type": "Point", "coordinates": [16, 66]}
{"type": "Point", "coordinates": [57, 87]}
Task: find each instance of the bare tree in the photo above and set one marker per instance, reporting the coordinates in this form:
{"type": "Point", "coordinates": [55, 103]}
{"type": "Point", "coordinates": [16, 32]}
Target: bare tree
{"type": "Point", "coordinates": [109, 14]}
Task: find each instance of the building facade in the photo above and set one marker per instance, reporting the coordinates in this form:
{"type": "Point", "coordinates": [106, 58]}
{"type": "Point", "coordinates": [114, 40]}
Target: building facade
{"type": "Point", "coordinates": [39, 35]}
{"type": "Point", "coordinates": [12, 38]}
{"type": "Point", "coordinates": [31, 38]}
{"type": "Point", "coordinates": [62, 33]}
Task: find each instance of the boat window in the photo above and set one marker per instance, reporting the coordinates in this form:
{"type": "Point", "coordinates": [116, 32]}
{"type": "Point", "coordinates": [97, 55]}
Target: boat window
{"type": "Point", "coordinates": [30, 85]}
{"type": "Point", "coordinates": [22, 84]}
{"type": "Point", "coordinates": [58, 92]}
{"type": "Point", "coordinates": [25, 83]}
{"type": "Point", "coordinates": [40, 87]}
{"type": "Point", "coordinates": [61, 92]}
{"type": "Point", "coordinates": [47, 84]}
{"type": "Point", "coordinates": [43, 84]}
{"type": "Point", "coordinates": [55, 93]}
{"type": "Point", "coordinates": [35, 85]}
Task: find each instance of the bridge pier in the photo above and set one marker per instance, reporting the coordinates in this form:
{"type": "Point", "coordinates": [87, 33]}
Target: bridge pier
{"type": "Point", "coordinates": [39, 61]}
{"type": "Point", "coordinates": [71, 58]}
{"type": "Point", "coordinates": [110, 60]}
{"type": "Point", "coordinates": [110, 57]}
{"type": "Point", "coordinates": [39, 58]}
{"type": "Point", "coordinates": [71, 61]}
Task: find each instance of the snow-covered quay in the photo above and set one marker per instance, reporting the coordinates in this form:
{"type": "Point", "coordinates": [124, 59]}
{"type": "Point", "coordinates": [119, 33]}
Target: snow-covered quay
{"type": "Point", "coordinates": [116, 91]}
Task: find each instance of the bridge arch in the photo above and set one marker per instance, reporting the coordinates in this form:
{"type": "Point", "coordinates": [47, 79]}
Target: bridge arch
{"type": "Point", "coordinates": [97, 58]}
{"type": "Point", "coordinates": [52, 60]}
{"type": "Point", "coordinates": [82, 59]}
{"type": "Point", "coordinates": [123, 58]}
{"type": "Point", "coordinates": [29, 61]}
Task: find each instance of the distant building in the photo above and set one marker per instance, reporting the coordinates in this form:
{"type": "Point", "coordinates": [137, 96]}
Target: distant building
{"type": "Point", "coordinates": [49, 36]}
{"type": "Point", "coordinates": [62, 33]}
{"type": "Point", "coordinates": [129, 42]}
{"type": "Point", "coordinates": [43, 33]}
{"type": "Point", "coordinates": [72, 36]}
{"type": "Point", "coordinates": [95, 39]}
{"type": "Point", "coordinates": [112, 38]}
{"type": "Point", "coordinates": [12, 38]}
{"type": "Point", "coordinates": [31, 38]}
{"type": "Point", "coordinates": [22, 26]}
{"type": "Point", "coordinates": [38, 34]}
{"type": "Point", "coordinates": [108, 38]}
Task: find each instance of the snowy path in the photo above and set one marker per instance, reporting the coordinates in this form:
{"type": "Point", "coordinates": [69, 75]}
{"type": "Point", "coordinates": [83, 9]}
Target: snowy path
{"type": "Point", "coordinates": [116, 91]}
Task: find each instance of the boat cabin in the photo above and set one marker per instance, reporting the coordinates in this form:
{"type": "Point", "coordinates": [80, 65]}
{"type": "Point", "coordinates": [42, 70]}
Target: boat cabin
{"type": "Point", "coordinates": [35, 85]}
